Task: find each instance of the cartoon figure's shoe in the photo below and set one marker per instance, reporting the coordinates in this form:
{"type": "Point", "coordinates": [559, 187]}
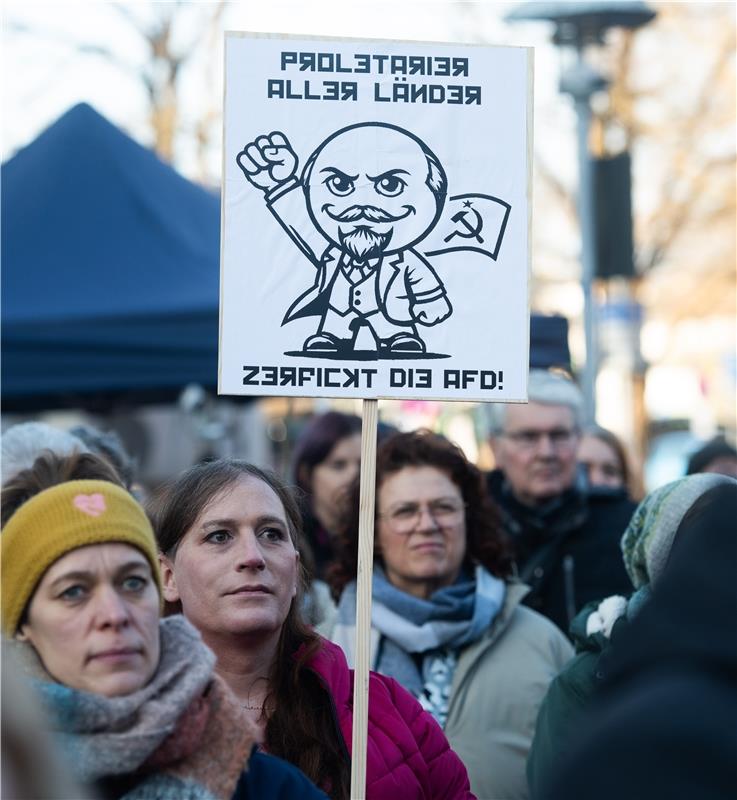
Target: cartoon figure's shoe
{"type": "Point", "coordinates": [402, 343]}
{"type": "Point", "coordinates": [323, 343]}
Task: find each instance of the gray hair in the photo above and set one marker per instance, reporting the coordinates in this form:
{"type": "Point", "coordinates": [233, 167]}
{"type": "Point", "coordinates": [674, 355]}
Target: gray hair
{"type": "Point", "coordinates": [546, 388]}
{"type": "Point", "coordinates": [108, 445]}
{"type": "Point", "coordinates": [22, 444]}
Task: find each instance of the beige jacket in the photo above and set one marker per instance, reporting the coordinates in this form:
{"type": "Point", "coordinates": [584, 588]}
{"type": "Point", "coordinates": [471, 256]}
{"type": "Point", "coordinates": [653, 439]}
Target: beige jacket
{"type": "Point", "coordinates": [498, 686]}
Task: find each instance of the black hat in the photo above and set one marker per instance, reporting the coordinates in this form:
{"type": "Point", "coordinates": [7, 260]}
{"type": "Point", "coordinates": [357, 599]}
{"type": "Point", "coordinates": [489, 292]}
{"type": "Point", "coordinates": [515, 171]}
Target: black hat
{"type": "Point", "coordinates": [718, 447]}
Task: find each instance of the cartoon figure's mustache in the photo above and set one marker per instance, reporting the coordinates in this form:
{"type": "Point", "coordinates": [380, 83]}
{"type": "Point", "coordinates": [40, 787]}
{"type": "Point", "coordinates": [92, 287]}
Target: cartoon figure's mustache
{"type": "Point", "coordinates": [369, 213]}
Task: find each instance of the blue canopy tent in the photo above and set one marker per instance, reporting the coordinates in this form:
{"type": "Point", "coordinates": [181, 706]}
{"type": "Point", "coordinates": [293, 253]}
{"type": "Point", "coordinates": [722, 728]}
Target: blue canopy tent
{"type": "Point", "coordinates": [110, 274]}
{"type": "Point", "coordinates": [110, 271]}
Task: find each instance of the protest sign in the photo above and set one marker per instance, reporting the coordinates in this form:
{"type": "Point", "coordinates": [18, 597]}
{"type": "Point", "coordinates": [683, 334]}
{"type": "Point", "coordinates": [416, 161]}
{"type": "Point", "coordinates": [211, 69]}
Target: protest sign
{"type": "Point", "coordinates": [376, 200]}
{"type": "Point", "coordinates": [375, 238]}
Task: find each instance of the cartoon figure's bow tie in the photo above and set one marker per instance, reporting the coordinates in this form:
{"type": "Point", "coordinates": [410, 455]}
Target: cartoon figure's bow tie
{"type": "Point", "coordinates": [362, 269]}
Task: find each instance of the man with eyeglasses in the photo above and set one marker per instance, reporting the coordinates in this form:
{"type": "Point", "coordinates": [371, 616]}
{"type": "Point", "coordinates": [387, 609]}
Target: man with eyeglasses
{"type": "Point", "coordinates": [566, 534]}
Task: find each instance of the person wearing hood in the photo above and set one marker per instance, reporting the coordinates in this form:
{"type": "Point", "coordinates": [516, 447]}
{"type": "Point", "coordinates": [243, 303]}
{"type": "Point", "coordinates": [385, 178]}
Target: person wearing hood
{"type": "Point", "coordinates": [663, 722]}
{"type": "Point", "coordinates": [661, 520]}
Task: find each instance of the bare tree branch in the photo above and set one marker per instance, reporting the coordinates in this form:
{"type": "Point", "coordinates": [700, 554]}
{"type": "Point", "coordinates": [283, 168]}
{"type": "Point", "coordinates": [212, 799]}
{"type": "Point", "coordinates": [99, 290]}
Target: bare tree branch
{"type": "Point", "coordinates": [559, 190]}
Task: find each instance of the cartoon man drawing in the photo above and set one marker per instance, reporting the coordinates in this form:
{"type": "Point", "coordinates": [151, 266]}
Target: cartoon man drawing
{"type": "Point", "coordinates": [371, 191]}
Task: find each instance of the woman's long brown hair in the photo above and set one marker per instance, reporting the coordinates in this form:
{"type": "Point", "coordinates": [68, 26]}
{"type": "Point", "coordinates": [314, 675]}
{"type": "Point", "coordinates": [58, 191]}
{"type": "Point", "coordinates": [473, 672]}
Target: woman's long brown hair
{"type": "Point", "coordinates": [303, 728]}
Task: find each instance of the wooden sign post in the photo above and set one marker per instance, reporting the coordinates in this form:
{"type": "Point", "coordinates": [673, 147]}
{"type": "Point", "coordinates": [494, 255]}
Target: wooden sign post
{"type": "Point", "coordinates": [363, 597]}
{"type": "Point", "coordinates": [376, 204]}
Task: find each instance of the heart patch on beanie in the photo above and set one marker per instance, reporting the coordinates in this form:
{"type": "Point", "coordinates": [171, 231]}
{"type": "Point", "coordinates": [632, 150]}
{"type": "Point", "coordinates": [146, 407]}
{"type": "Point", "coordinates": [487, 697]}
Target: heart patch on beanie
{"type": "Point", "coordinates": [92, 504]}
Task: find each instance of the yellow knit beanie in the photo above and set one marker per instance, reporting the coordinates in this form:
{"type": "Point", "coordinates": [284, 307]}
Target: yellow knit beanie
{"type": "Point", "coordinates": [67, 516]}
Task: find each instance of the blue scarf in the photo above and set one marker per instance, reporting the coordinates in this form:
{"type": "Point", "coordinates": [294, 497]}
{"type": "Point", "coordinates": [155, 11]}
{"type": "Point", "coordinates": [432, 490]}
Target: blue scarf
{"type": "Point", "coordinates": [449, 620]}
{"type": "Point", "coordinates": [452, 617]}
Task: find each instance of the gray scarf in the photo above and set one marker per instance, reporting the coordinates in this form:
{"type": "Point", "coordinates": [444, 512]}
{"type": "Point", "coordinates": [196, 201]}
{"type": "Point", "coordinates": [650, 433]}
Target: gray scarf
{"type": "Point", "coordinates": [183, 736]}
{"type": "Point", "coordinates": [115, 735]}
{"type": "Point", "coordinates": [450, 619]}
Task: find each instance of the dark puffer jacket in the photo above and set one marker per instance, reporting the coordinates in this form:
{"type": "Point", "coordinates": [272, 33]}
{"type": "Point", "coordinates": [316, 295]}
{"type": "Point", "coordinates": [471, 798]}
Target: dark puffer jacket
{"type": "Point", "coordinates": [662, 724]}
{"type": "Point", "coordinates": [571, 691]}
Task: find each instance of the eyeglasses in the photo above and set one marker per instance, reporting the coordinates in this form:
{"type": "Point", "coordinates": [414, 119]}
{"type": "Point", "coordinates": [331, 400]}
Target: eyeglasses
{"type": "Point", "coordinates": [560, 438]}
{"type": "Point", "coordinates": [406, 518]}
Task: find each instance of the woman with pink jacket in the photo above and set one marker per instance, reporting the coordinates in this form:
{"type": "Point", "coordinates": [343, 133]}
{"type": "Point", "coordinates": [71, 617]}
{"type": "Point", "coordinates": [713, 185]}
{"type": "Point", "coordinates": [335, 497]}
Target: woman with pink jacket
{"type": "Point", "coordinates": [228, 535]}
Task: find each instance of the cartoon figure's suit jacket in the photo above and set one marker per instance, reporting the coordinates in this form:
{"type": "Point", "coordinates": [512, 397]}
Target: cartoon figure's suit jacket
{"type": "Point", "coordinates": [405, 279]}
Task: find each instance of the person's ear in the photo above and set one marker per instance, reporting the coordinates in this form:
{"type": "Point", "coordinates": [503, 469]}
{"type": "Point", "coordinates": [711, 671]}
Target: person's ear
{"type": "Point", "coordinates": [23, 634]}
{"type": "Point", "coordinates": [168, 579]}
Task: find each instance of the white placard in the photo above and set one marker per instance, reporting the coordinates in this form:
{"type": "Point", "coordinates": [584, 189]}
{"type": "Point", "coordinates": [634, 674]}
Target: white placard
{"type": "Point", "coordinates": [376, 214]}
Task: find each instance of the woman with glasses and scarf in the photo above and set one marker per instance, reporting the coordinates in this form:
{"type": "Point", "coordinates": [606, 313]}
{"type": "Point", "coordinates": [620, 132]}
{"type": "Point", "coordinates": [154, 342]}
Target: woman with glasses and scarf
{"type": "Point", "coordinates": [446, 616]}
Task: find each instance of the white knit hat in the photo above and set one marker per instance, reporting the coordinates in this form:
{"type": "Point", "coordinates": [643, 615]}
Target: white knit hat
{"type": "Point", "coordinates": [24, 443]}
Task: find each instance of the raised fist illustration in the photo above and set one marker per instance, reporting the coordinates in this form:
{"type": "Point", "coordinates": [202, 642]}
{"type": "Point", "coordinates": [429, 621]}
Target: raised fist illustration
{"type": "Point", "coordinates": [269, 161]}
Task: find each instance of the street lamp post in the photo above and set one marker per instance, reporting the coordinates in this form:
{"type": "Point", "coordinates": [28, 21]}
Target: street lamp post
{"type": "Point", "coordinates": [581, 82]}
{"type": "Point", "coordinates": [578, 25]}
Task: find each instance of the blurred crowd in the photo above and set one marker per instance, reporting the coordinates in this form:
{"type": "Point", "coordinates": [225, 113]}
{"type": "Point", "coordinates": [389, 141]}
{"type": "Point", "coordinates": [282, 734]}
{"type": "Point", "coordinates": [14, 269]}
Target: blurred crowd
{"type": "Point", "coordinates": [541, 630]}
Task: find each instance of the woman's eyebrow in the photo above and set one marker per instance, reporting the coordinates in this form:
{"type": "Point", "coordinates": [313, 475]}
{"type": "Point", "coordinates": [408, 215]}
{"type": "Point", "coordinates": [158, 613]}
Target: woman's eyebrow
{"type": "Point", "coordinates": [133, 564]}
{"type": "Point", "coordinates": [89, 575]}
{"type": "Point", "coordinates": [225, 522]}
{"type": "Point", "coordinates": [75, 575]}
{"type": "Point", "coordinates": [267, 519]}
{"type": "Point", "coordinates": [431, 500]}
{"type": "Point", "coordinates": [232, 523]}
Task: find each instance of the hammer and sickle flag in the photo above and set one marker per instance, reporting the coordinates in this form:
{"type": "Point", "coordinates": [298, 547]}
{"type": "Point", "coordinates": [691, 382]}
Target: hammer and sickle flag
{"type": "Point", "coordinates": [474, 222]}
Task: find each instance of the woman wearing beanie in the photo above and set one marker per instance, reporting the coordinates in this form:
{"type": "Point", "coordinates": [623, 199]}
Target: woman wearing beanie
{"type": "Point", "coordinates": [133, 700]}
{"type": "Point", "coordinates": [659, 522]}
